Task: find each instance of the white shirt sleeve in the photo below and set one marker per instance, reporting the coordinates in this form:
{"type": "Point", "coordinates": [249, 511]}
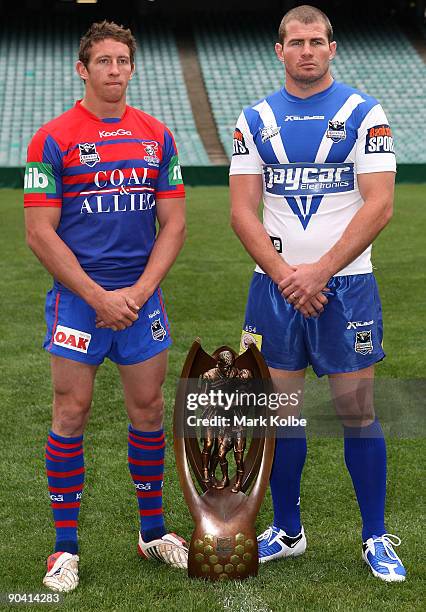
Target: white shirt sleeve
{"type": "Point", "coordinates": [245, 158]}
{"type": "Point", "coordinates": [374, 148]}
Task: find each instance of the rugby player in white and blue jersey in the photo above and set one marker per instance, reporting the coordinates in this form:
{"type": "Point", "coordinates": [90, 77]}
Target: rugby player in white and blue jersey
{"type": "Point", "coordinates": [320, 153]}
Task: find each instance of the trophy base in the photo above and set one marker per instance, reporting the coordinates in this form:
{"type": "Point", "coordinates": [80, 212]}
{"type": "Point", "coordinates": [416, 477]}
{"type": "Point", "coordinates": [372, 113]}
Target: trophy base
{"type": "Point", "coordinates": [223, 545]}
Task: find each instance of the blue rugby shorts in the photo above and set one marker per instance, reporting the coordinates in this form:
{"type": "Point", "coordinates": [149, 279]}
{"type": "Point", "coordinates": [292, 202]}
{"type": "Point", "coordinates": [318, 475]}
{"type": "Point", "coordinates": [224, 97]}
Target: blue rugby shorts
{"type": "Point", "coordinates": [346, 337]}
{"type": "Point", "coordinates": [72, 333]}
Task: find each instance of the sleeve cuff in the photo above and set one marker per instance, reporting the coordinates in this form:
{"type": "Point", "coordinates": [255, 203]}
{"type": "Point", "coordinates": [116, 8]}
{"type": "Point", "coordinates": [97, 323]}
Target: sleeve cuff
{"type": "Point", "coordinates": [245, 171]}
{"type": "Point", "coordinates": [370, 169]}
{"type": "Point", "coordinates": [46, 204]}
{"type": "Point", "coordinates": [170, 194]}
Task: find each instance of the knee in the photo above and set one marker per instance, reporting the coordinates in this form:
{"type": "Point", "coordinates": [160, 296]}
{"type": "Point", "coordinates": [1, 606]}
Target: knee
{"type": "Point", "coordinates": [147, 413]}
{"type": "Point", "coordinates": [355, 411]}
{"type": "Point", "coordinates": [70, 413]}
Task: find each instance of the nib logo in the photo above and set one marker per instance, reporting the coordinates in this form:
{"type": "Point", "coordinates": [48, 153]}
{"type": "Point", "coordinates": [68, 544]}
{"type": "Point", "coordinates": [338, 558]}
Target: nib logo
{"type": "Point", "coordinates": [39, 178]}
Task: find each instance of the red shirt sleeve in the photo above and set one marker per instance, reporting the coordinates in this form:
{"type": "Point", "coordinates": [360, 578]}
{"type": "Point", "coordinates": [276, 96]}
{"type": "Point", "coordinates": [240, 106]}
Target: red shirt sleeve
{"type": "Point", "coordinates": [43, 172]}
{"type": "Point", "coordinates": [170, 183]}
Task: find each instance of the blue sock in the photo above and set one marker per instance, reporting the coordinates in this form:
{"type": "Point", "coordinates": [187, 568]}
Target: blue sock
{"type": "Point", "coordinates": [146, 465]}
{"type": "Point", "coordinates": [289, 459]}
{"type": "Point", "coordinates": [65, 476]}
{"type": "Point", "coordinates": [365, 457]}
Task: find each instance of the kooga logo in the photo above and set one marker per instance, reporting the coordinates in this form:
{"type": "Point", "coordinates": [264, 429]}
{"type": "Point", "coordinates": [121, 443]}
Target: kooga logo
{"type": "Point", "coordinates": [119, 132]}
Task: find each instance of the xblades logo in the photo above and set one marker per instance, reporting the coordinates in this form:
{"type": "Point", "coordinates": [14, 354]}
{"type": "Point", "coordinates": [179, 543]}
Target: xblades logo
{"type": "Point", "coordinates": [355, 324]}
{"type": "Point", "coordinates": [304, 118]}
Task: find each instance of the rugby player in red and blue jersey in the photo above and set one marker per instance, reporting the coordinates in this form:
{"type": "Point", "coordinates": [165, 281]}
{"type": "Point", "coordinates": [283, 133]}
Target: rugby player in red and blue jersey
{"type": "Point", "coordinates": [98, 178]}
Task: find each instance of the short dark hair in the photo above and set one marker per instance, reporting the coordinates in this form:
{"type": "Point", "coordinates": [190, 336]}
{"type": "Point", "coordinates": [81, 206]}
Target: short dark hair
{"type": "Point", "coordinates": [102, 30]}
{"type": "Point", "coordinates": [305, 14]}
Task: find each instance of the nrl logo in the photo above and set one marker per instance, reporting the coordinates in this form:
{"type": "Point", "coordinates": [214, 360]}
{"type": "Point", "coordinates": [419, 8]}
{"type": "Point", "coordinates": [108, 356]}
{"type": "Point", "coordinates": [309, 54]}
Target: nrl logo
{"type": "Point", "coordinates": [88, 154]}
{"type": "Point", "coordinates": [336, 131]}
{"type": "Point", "coordinates": [269, 132]}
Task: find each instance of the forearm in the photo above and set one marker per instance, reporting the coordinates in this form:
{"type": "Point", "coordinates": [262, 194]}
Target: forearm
{"type": "Point", "coordinates": [365, 226]}
{"type": "Point", "coordinates": [167, 246]}
{"type": "Point", "coordinates": [61, 262]}
{"type": "Point", "coordinates": [257, 243]}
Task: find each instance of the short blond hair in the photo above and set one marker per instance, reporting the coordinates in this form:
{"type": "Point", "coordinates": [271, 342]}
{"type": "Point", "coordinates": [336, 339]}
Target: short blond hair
{"type": "Point", "coordinates": [305, 14]}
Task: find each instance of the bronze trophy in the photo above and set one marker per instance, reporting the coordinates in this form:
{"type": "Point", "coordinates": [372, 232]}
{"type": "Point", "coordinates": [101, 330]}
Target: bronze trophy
{"type": "Point", "coordinates": [223, 545]}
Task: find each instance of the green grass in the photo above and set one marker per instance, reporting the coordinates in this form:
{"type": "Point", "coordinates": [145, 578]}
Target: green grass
{"type": "Point", "coordinates": [205, 296]}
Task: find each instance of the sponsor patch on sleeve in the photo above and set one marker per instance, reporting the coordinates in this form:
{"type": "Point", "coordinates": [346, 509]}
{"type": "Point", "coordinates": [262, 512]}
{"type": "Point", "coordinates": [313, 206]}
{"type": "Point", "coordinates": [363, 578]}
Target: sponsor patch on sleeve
{"type": "Point", "coordinates": [175, 173]}
{"type": "Point", "coordinates": [379, 139]}
{"type": "Point", "coordinates": [39, 178]}
{"type": "Point", "coordinates": [240, 147]}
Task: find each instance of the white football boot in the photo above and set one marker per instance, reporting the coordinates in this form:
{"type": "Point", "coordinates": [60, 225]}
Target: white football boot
{"type": "Point", "coordinates": [170, 549]}
{"type": "Point", "coordinates": [62, 572]}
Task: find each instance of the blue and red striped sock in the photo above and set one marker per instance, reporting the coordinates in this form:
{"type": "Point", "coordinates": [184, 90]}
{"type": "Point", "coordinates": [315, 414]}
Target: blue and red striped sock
{"type": "Point", "coordinates": [146, 464]}
{"type": "Point", "coordinates": [65, 477]}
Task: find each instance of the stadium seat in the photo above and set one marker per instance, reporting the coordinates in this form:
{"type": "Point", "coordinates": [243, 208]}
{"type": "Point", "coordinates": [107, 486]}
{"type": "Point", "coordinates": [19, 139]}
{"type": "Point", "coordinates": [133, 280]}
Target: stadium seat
{"type": "Point", "coordinates": [39, 82]}
{"type": "Point", "coordinates": [239, 66]}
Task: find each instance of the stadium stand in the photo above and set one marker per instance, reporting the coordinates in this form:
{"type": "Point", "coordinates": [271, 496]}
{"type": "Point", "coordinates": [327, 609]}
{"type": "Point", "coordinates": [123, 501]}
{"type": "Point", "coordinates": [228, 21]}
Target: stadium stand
{"type": "Point", "coordinates": [159, 89]}
{"type": "Point", "coordinates": [39, 82]}
{"type": "Point", "coordinates": [239, 67]}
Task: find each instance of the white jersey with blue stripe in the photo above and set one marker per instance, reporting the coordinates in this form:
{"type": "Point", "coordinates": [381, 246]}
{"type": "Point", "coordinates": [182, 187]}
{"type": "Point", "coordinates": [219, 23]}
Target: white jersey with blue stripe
{"type": "Point", "coordinates": [309, 152]}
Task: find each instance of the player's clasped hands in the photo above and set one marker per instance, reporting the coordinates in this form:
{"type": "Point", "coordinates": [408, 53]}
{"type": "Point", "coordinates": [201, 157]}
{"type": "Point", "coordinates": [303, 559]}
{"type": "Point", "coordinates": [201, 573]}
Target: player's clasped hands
{"type": "Point", "coordinates": [116, 310]}
{"type": "Point", "coordinates": [304, 288]}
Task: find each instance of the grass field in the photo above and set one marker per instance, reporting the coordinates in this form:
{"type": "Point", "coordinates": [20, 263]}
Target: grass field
{"type": "Point", "coordinates": [205, 295]}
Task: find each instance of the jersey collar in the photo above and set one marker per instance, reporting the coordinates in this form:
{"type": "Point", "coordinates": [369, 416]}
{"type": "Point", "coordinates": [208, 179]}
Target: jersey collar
{"type": "Point", "coordinates": [319, 96]}
{"type": "Point", "coordinates": [90, 115]}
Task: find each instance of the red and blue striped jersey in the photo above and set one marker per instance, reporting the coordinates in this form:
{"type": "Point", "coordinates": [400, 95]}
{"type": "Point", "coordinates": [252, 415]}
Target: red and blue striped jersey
{"type": "Point", "coordinates": [105, 175]}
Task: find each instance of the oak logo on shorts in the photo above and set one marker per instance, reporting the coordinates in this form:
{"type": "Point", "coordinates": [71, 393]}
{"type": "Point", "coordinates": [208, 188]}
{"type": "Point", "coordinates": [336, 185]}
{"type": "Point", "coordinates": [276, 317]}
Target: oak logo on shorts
{"type": "Point", "coordinates": [157, 330]}
{"type": "Point", "coordinates": [240, 147]}
{"type": "Point", "coordinates": [379, 139]}
{"type": "Point", "coordinates": [363, 342]}
{"type": "Point", "coordinates": [73, 339]}
{"type": "Point", "coordinates": [39, 178]}
{"type": "Point", "coordinates": [88, 154]}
